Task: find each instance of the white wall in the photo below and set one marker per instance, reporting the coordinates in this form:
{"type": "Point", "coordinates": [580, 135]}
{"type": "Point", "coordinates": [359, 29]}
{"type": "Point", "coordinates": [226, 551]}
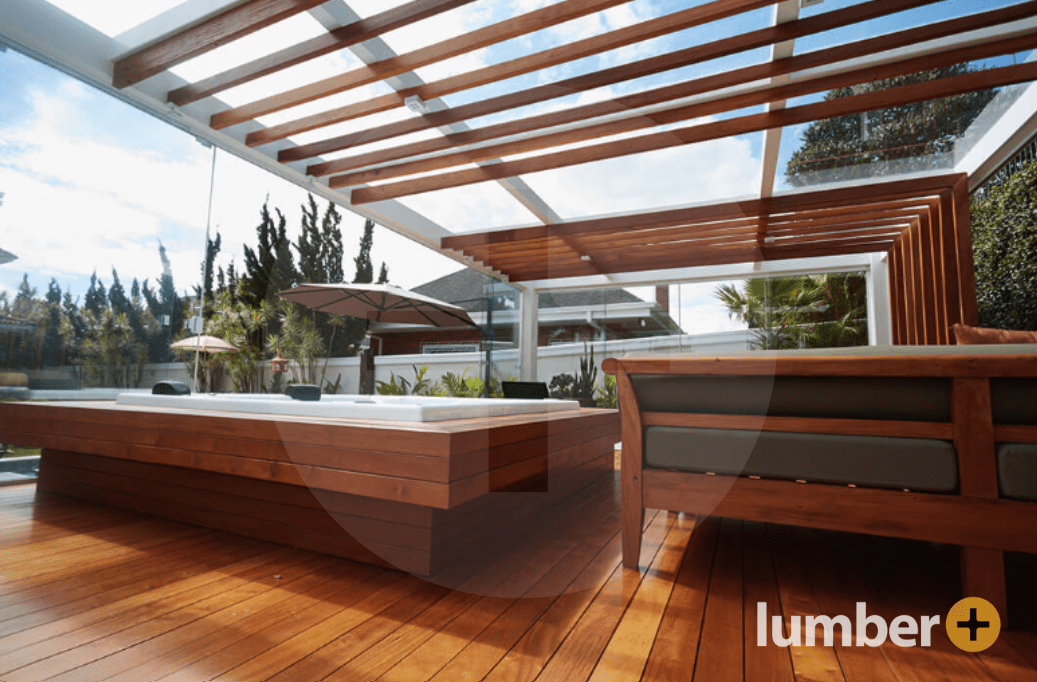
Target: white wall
{"type": "Point", "coordinates": [551, 360]}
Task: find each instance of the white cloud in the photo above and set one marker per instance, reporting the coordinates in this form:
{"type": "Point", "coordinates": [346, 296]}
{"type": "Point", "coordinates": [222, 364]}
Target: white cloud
{"type": "Point", "coordinates": [698, 311]}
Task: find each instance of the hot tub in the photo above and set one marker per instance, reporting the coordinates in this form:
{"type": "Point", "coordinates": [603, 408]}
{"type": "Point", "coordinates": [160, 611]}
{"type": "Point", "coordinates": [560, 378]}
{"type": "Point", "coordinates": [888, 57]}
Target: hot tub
{"type": "Point", "coordinates": [376, 407]}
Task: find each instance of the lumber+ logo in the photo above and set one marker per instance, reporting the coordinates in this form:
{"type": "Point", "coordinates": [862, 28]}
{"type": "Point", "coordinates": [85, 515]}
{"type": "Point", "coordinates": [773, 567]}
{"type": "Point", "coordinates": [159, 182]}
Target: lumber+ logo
{"type": "Point", "coordinates": [973, 624]}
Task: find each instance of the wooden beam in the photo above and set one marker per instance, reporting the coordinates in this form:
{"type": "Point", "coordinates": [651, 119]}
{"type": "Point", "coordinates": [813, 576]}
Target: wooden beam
{"type": "Point", "coordinates": [812, 221]}
{"type": "Point", "coordinates": [638, 69]}
{"type": "Point", "coordinates": [640, 122]}
{"type": "Point", "coordinates": [869, 366]}
{"type": "Point", "coordinates": [673, 258]}
{"type": "Point", "coordinates": [919, 516]}
{"type": "Point", "coordinates": [466, 42]}
{"type": "Point", "coordinates": [853, 104]}
{"type": "Point", "coordinates": [713, 11]}
{"type": "Point", "coordinates": [337, 39]}
{"type": "Point", "coordinates": [758, 72]}
{"type": "Point", "coordinates": [211, 33]}
{"type": "Point", "coordinates": [949, 256]}
{"type": "Point", "coordinates": [519, 253]}
{"type": "Point", "coordinates": [893, 266]}
{"type": "Point", "coordinates": [936, 274]}
{"type": "Point", "coordinates": [963, 245]}
{"type": "Point", "coordinates": [927, 275]}
{"type": "Point", "coordinates": [835, 198]}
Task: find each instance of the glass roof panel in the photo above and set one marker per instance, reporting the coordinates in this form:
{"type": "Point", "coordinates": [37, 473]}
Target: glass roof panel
{"type": "Point", "coordinates": [919, 16]}
{"type": "Point", "coordinates": [472, 208]}
{"type": "Point", "coordinates": [283, 34]}
{"type": "Point", "coordinates": [113, 17]}
{"type": "Point", "coordinates": [716, 170]}
{"type": "Point", "coordinates": [915, 138]}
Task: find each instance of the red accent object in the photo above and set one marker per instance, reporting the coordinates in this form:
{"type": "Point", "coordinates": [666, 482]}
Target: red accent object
{"type": "Point", "coordinates": [278, 365]}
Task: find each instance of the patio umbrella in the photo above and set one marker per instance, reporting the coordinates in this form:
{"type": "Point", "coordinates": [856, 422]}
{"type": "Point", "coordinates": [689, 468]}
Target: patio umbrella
{"type": "Point", "coordinates": [378, 303]}
{"type": "Point", "coordinates": [205, 343]}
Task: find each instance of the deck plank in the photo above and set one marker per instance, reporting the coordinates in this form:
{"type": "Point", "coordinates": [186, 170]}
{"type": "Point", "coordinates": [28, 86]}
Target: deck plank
{"type": "Point", "coordinates": [768, 663]}
{"type": "Point", "coordinates": [122, 597]}
{"type": "Point", "coordinates": [811, 664]}
{"type": "Point", "coordinates": [577, 656]}
{"type": "Point", "coordinates": [677, 643]}
{"type": "Point", "coordinates": [424, 646]}
{"type": "Point", "coordinates": [721, 648]}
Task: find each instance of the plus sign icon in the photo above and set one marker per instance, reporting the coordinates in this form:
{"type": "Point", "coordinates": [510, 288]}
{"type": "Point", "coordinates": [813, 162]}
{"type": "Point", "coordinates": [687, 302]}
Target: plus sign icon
{"type": "Point", "coordinates": [973, 624]}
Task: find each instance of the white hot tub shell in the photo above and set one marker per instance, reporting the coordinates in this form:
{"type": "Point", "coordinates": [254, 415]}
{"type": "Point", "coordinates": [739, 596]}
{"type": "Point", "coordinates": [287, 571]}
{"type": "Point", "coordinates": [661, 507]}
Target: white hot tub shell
{"type": "Point", "coordinates": [375, 407]}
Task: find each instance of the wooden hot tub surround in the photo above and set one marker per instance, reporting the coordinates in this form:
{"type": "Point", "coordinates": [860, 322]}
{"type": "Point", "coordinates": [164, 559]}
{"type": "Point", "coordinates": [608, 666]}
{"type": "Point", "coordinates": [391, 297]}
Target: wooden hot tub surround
{"type": "Point", "coordinates": [416, 496]}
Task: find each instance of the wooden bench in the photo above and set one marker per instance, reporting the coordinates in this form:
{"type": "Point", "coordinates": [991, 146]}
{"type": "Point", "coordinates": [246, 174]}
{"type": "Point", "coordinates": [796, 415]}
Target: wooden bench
{"type": "Point", "coordinates": [979, 409]}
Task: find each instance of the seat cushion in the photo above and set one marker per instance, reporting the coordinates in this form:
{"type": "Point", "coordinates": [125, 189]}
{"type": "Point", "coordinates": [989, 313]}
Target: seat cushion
{"type": "Point", "coordinates": [876, 461]}
{"type": "Point", "coordinates": [898, 398]}
{"type": "Point", "coordinates": [1017, 470]}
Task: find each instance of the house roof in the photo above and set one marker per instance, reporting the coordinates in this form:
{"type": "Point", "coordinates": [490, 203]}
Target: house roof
{"type": "Point", "coordinates": [467, 288]}
{"type": "Point", "coordinates": [6, 257]}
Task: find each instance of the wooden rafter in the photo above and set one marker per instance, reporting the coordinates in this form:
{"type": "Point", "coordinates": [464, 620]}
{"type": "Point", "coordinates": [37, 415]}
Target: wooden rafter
{"type": "Point", "coordinates": [718, 9]}
{"type": "Point", "coordinates": [338, 39]}
{"type": "Point", "coordinates": [854, 104]}
{"type": "Point", "coordinates": [877, 195]}
{"type": "Point", "coordinates": [655, 96]}
{"type": "Point", "coordinates": [625, 72]}
{"type": "Point", "coordinates": [862, 219]}
{"type": "Point", "coordinates": [641, 122]}
{"type": "Point", "coordinates": [473, 40]}
{"type": "Point", "coordinates": [234, 23]}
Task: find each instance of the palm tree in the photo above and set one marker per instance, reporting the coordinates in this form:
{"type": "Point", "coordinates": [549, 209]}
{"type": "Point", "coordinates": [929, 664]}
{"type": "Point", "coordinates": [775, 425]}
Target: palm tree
{"type": "Point", "coordinates": [815, 311]}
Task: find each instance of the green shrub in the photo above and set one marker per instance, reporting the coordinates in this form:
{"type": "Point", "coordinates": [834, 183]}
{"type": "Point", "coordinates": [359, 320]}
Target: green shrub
{"type": "Point", "coordinates": [1004, 242]}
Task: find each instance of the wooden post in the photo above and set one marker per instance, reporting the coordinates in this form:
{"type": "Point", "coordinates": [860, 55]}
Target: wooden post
{"type": "Point", "coordinates": [934, 274]}
{"type": "Point", "coordinates": [949, 262]}
{"type": "Point", "coordinates": [963, 241]}
{"type": "Point", "coordinates": [930, 334]}
{"type": "Point", "coordinates": [982, 569]}
{"type": "Point", "coordinates": [631, 463]}
{"type": "Point", "coordinates": [894, 292]}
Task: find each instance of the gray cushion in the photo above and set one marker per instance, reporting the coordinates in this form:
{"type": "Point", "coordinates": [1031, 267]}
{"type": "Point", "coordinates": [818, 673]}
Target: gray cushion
{"type": "Point", "coordinates": [914, 463]}
{"type": "Point", "coordinates": [1012, 401]}
{"type": "Point", "coordinates": [1017, 470]}
{"type": "Point", "coordinates": [898, 398]}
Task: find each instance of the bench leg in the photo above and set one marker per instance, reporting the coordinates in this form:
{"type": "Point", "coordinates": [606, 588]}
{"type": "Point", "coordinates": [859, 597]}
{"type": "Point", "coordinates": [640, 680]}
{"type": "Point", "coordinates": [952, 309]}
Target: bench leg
{"type": "Point", "coordinates": [631, 530]}
{"type": "Point", "coordinates": [983, 575]}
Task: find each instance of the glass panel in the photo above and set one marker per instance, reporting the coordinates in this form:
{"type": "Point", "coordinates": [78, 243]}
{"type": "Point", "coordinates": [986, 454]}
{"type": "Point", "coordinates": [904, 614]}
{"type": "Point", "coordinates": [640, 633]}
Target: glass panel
{"type": "Point", "coordinates": [813, 311]}
{"type": "Point", "coordinates": [283, 34]}
{"type": "Point", "coordinates": [472, 208]}
{"type": "Point", "coordinates": [112, 17]}
{"type": "Point", "coordinates": [456, 361]}
{"type": "Point", "coordinates": [107, 207]}
{"type": "Point", "coordinates": [920, 137]}
{"type": "Point", "coordinates": [918, 16]}
{"type": "Point", "coordinates": [691, 174]}
{"type": "Point", "coordinates": [104, 270]}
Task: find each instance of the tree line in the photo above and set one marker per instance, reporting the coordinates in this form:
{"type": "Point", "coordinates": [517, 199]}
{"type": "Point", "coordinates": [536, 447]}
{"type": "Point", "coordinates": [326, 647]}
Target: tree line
{"type": "Point", "coordinates": [110, 333]}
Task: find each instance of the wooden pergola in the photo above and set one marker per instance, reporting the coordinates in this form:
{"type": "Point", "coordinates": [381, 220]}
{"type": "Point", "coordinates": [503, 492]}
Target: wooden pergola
{"type": "Point", "coordinates": [340, 149]}
{"type": "Point", "coordinates": [923, 225]}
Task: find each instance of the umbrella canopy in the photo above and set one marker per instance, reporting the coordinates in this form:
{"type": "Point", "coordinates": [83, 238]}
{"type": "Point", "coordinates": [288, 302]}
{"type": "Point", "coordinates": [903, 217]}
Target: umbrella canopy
{"type": "Point", "coordinates": [208, 344]}
{"type": "Point", "coordinates": [378, 303]}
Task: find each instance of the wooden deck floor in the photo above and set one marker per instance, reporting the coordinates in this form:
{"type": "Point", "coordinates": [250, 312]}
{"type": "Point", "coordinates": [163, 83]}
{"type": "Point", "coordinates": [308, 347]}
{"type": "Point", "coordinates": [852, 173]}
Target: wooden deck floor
{"type": "Point", "coordinates": [91, 593]}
